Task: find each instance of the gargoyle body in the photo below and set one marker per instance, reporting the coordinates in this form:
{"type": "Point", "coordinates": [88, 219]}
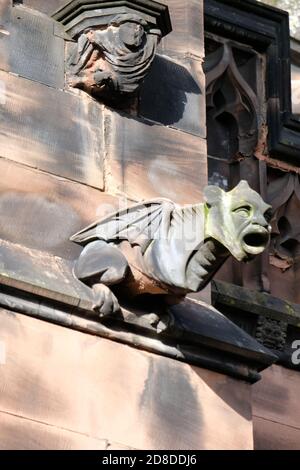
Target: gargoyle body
{"type": "Point", "coordinates": [158, 247]}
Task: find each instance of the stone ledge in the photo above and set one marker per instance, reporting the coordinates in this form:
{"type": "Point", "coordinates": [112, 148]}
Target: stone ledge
{"type": "Point", "coordinates": [113, 393]}
{"type": "Point", "coordinates": [274, 322]}
{"type": "Point", "coordinates": [258, 303]}
{"type": "Point", "coordinates": [75, 11]}
{"type": "Point", "coordinates": [43, 286]}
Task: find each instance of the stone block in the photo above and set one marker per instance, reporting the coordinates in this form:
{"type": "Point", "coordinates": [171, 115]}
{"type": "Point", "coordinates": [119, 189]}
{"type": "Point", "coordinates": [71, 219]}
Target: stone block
{"type": "Point", "coordinates": [173, 94]}
{"type": "Point", "coordinates": [30, 48]}
{"type": "Point", "coordinates": [186, 39]}
{"type": "Point", "coordinates": [108, 391]}
{"type": "Point", "coordinates": [41, 211]}
{"type": "Point", "coordinates": [146, 160]}
{"type": "Point", "coordinates": [52, 130]}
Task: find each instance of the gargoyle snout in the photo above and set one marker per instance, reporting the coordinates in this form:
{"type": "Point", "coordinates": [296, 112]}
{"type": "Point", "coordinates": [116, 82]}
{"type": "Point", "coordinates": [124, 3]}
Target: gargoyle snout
{"type": "Point", "coordinates": [259, 219]}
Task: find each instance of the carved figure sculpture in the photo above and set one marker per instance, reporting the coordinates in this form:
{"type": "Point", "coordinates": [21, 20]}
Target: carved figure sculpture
{"type": "Point", "coordinates": [113, 61]}
{"type": "Point", "coordinates": [158, 247]}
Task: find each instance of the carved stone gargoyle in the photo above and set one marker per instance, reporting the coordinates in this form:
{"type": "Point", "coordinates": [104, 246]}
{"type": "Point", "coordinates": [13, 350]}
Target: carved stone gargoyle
{"type": "Point", "coordinates": [113, 61]}
{"type": "Point", "coordinates": [114, 45]}
{"type": "Point", "coordinates": [158, 247]}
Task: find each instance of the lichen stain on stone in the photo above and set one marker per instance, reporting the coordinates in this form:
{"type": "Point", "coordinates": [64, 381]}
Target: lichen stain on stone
{"type": "Point", "coordinates": [170, 402]}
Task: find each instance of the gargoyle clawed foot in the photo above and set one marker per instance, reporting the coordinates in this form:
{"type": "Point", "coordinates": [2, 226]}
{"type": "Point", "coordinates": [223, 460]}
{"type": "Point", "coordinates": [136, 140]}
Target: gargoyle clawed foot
{"type": "Point", "coordinates": [104, 301]}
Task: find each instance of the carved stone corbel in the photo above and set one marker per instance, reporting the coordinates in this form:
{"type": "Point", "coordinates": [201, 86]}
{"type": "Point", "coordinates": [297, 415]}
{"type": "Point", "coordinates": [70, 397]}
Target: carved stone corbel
{"type": "Point", "coordinates": [114, 45]}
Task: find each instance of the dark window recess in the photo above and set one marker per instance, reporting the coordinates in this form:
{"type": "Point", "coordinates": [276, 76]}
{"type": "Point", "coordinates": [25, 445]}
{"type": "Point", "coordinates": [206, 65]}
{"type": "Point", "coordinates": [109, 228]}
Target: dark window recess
{"type": "Point", "coordinates": [265, 30]}
{"type": "Point", "coordinates": [253, 126]}
{"type": "Point", "coordinates": [253, 133]}
{"type": "Point", "coordinates": [235, 105]}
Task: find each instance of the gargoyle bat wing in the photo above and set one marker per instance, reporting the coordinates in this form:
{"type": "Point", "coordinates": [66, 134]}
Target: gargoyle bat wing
{"type": "Point", "coordinates": [139, 224]}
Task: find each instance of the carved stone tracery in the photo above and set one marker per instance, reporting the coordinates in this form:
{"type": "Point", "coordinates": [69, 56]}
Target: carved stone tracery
{"type": "Point", "coordinates": [271, 333]}
{"type": "Point", "coordinates": [284, 196]}
{"type": "Point", "coordinates": [232, 102]}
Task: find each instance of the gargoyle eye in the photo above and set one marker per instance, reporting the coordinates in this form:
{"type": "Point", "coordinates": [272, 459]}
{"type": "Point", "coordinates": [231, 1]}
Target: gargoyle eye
{"type": "Point", "coordinates": [268, 215]}
{"type": "Point", "coordinates": [243, 211]}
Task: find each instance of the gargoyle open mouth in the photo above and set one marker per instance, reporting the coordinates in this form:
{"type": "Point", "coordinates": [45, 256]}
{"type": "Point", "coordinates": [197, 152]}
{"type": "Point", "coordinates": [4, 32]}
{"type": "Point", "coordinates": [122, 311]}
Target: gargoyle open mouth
{"type": "Point", "coordinates": [255, 240]}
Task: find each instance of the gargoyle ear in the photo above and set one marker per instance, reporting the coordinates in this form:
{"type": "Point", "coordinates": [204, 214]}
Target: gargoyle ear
{"type": "Point", "coordinates": [213, 195]}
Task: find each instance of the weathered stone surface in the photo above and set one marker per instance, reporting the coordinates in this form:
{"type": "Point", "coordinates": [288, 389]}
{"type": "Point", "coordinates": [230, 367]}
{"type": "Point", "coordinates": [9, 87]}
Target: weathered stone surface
{"type": "Point", "coordinates": [30, 47]}
{"type": "Point", "coordinates": [269, 435]}
{"type": "Point", "coordinates": [50, 129]}
{"type": "Point", "coordinates": [42, 211]}
{"type": "Point", "coordinates": [5, 11]}
{"type": "Point", "coordinates": [40, 273]}
{"type": "Point", "coordinates": [276, 397]}
{"type": "Point", "coordinates": [47, 7]}
{"type": "Point", "coordinates": [111, 392]}
{"type": "Point", "coordinates": [187, 37]}
{"type": "Point", "coordinates": [18, 433]}
{"type": "Point", "coordinates": [173, 94]}
{"type": "Point", "coordinates": [276, 414]}
{"type": "Point", "coordinates": [145, 160]}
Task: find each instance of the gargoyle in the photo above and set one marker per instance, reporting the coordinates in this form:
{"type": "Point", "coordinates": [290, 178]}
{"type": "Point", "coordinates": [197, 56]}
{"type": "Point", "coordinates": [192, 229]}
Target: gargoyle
{"type": "Point", "coordinates": [113, 61]}
{"type": "Point", "coordinates": [158, 247]}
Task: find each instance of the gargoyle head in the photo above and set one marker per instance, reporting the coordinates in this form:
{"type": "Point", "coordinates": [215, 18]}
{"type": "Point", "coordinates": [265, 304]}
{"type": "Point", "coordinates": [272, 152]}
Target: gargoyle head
{"type": "Point", "coordinates": [238, 219]}
{"type": "Point", "coordinates": [131, 30]}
